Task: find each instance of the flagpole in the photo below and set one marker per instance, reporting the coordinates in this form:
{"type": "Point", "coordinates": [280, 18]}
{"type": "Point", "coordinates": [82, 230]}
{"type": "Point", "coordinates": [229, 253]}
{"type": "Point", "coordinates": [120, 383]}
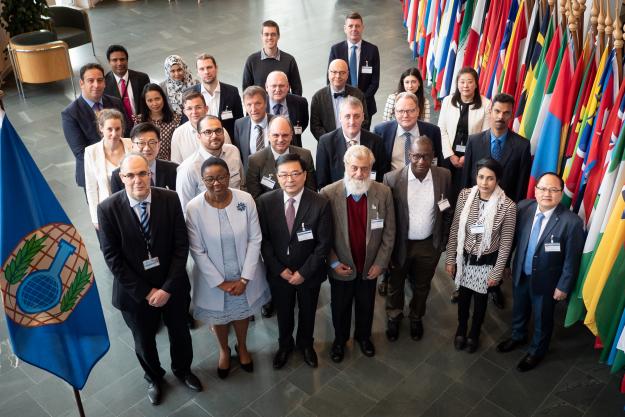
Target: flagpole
{"type": "Point", "coordinates": [81, 411]}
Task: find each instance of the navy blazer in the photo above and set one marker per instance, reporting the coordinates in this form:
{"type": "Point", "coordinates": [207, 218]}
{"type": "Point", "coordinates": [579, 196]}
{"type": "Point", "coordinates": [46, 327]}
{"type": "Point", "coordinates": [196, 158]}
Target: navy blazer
{"type": "Point", "coordinates": [367, 83]}
{"type": "Point", "coordinates": [388, 132]}
{"type": "Point", "coordinates": [165, 176]}
{"type": "Point", "coordinates": [297, 107]}
{"type": "Point", "coordinates": [81, 130]}
{"type": "Point", "coordinates": [332, 148]}
{"type": "Point", "coordinates": [515, 159]}
{"type": "Point", "coordinates": [229, 99]}
{"type": "Point", "coordinates": [241, 138]}
{"type": "Point", "coordinates": [550, 270]}
{"type": "Point", "coordinates": [138, 80]}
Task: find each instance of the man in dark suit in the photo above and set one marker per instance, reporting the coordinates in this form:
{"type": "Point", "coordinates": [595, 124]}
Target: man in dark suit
{"type": "Point", "coordinates": [332, 146]}
{"type": "Point", "coordinates": [297, 235]}
{"type": "Point", "coordinates": [79, 122]}
{"type": "Point", "coordinates": [146, 140]}
{"type": "Point", "coordinates": [421, 193]}
{"type": "Point", "coordinates": [363, 58]}
{"type": "Point", "coordinates": [364, 234]}
{"type": "Point", "coordinates": [326, 102]}
{"type": "Point", "coordinates": [223, 100]}
{"type": "Point", "coordinates": [250, 132]}
{"type": "Point", "coordinates": [549, 244]}
{"type": "Point", "coordinates": [283, 103]}
{"type": "Point", "coordinates": [123, 83]}
{"type": "Point", "coordinates": [144, 241]}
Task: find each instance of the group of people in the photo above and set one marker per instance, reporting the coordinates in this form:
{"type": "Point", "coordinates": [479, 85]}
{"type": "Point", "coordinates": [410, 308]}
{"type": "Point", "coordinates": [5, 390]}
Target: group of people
{"type": "Point", "coordinates": [176, 169]}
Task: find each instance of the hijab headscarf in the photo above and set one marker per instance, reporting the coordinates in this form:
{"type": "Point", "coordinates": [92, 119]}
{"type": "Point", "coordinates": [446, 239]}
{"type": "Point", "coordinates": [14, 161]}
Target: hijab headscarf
{"type": "Point", "coordinates": [174, 88]}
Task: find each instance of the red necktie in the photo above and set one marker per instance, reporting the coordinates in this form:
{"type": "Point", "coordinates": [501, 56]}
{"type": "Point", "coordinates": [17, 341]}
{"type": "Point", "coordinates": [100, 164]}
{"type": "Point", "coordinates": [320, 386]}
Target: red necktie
{"type": "Point", "coordinates": [126, 99]}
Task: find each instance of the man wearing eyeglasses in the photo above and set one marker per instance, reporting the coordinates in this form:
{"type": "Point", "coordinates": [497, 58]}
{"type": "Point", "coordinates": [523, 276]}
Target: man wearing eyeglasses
{"type": "Point", "coordinates": [211, 138]}
{"type": "Point", "coordinates": [146, 140]}
{"type": "Point", "coordinates": [549, 242]}
{"type": "Point", "coordinates": [297, 235]}
{"type": "Point", "coordinates": [144, 241]}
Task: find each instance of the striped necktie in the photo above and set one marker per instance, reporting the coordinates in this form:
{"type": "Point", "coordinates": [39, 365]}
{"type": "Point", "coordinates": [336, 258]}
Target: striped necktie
{"type": "Point", "coordinates": [144, 219]}
{"type": "Point", "coordinates": [260, 140]}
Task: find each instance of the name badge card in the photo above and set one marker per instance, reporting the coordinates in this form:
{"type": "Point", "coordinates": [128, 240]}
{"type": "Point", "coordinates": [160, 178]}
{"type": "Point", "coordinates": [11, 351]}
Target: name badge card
{"type": "Point", "coordinates": [366, 69]}
{"type": "Point", "coordinates": [443, 204]}
{"type": "Point", "coordinates": [552, 247]}
{"type": "Point", "coordinates": [477, 229]}
{"type": "Point", "coordinates": [372, 175]}
{"type": "Point", "coordinates": [377, 224]}
{"type": "Point", "coordinates": [268, 182]}
{"type": "Point", "coordinates": [297, 129]}
{"type": "Point", "coordinates": [461, 148]}
{"type": "Point", "coordinates": [151, 263]}
{"type": "Point", "coordinates": [304, 235]}
{"type": "Point", "coordinates": [226, 114]}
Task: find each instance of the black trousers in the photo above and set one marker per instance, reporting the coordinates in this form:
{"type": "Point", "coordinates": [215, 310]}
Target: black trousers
{"type": "Point", "coordinates": [284, 296]}
{"type": "Point", "coordinates": [144, 323]}
{"type": "Point", "coordinates": [360, 293]}
{"type": "Point", "coordinates": [480, 302]}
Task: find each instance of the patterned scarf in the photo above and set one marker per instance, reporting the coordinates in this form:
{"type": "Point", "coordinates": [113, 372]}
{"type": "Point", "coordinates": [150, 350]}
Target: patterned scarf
{"type": "Point", "coordinates": [174, 88]}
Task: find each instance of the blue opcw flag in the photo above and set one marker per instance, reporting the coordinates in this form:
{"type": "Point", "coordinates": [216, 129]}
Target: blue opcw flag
{"type": "Point", "coordinates": [49, 293]}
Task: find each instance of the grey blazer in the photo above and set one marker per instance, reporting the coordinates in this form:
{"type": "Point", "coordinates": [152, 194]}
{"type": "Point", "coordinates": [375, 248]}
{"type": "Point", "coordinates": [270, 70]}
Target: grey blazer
{"type": "Point", "coordinates": [398, 182]}
{"type": "Point", "coordinates": [262, 164]}
{"type": "Point", "coordinates": [379, 241]}
{"type": "Point", "coordinates": [241, 137]}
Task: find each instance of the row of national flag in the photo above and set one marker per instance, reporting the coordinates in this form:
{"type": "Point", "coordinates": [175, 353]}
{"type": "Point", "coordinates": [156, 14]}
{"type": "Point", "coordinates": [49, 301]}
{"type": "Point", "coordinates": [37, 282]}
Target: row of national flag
{"type": "Point", "coordinates": [570, 104]}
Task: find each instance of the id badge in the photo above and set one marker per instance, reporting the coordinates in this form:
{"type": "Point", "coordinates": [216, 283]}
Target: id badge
{"type": "Point", "coordinates": [151, 263]}
{"type": "Point", "coordinates": [297, 129]}
{"type": "Point", "coordinates": [377, 224]}
{"type": "Point", "coordinates": [552, 247]}
{"type": "Point", "coordinates": [305, 235]}
{"type": "Point", "coordinates": [226, 114]}
{"type": "Point", "coordinates": [367, 69]}
{"type": "Point", "coordinates": [461, 148]}
{"type": "Point", "coordinates": [268, 182]}
{"type": "Point", "coordinates": [477, 229]}
{"type": "Point", "coordinates": [372, 175]}
{"type": "Point", "coordinates": [443, 204]}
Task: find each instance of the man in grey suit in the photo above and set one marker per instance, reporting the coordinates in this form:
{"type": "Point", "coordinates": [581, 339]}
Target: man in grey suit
{"type": "Point", "coordinates": [549, 244]}
{"type": "Point", "coordinates": [326, 102]}
{"type": "Point", "coordinates": [261, 171]}
{"type": "Point", "coordinates": [250, 132]}
{"type": "Point", "coordinates": [364, 234]}
{"type": "Point", "coordinates": [421, 193]}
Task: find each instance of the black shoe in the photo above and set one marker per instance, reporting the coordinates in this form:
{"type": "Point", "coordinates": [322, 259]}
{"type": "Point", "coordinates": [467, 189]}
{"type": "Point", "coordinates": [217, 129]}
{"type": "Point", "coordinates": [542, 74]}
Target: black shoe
{"type": "Point", "coordinates": [459, 342]}
{"type": "Point", "coordinates": [392, 328]}
{"type": "Point", "coordinates": [191, 381]}
{"type": "Point", "coordinates": [223, 373]}
{"type": "Point", "coordinates": [416, 329]}
{"type": "Point", "coordinates": [337, 353]}
{"type": "Point", "coordinates": [472, 345]}
{"type": "Point", "coordinates": [366, 347]}
{"type": "Point", "coordinates": [382, 288]}
{"type": "Point", "coordinates": [454, 297]}
{"type": "Point", "coordinates": [310, 357]}
{"type": "Point", "coordinates": [190, 321]}
{"type": "Point", "coordinates": [154, 393]}
{"type": "Point", "coordinates": [509, 345]}
{"type": "Point", "coordinates": [267, 310]}
{"type": "Point", "coordinates": [247, 367]}
{"type": "Point", "coordinates": [528, 363]}
{"type": "Point", "coordinates": [498, 299]}
{"type": "Point", "coordinates": [281, 357]}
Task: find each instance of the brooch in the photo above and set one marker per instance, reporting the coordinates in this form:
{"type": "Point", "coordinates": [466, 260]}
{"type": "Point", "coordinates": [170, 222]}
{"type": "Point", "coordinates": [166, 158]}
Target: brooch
{"type": "Point", "coordinates": [241, 206]}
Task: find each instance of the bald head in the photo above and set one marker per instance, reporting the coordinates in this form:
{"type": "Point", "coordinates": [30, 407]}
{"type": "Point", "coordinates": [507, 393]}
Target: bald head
{"type": "Point", "coordinates": [337, 74]}
{"type": "Point", "coordinates": [280, 134]}
{"type": "Point", "coordinates": [277, 85]}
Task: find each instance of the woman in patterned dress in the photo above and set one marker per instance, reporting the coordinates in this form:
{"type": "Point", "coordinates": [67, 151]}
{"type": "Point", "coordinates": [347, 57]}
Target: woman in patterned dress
{"type": "Point", "coordinates": [155, 108]}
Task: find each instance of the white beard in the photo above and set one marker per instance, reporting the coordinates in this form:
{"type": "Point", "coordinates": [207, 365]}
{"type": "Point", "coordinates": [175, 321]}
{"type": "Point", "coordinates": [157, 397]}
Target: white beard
{"type": "Point", "coordinates": [356, 187]}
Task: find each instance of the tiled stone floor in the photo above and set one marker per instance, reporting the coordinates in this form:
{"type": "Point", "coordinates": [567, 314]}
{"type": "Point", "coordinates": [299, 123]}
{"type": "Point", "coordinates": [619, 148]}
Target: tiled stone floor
{"type": "Point", "coordinates": [406, 378]}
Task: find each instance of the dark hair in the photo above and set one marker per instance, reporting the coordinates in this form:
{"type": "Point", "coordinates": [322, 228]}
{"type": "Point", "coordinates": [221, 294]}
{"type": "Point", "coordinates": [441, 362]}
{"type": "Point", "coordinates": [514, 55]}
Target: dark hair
{"type": "Point", "coordinates": [354, 15]}
{"type": "Point", "coordinates": [424, 139]}
{"type": "Point", "coordinates": [290, 157]}
{"type": "Point", "coordinates": [190, 95]}
{"type": "Point", "coordinates": [419, 93]}
{"type": "Point", "coordinates": [89, 66]}
{"type": "Point", "coordinates": [206, 117]}
{"type": "Point", "coordinates": [144, 110]}
{"type": "Point", "coordinates": [503, 98]}
{"type": "Point", "coordinates": [477, 100]}
{"type": "Point", "coordinates": [115, 48]}
{"type": "Point", "coordinates": [270, 24]}
{"type": "Point", "coordinates": [145, 127]}
{"type": "Point", "coordinates": [212, 161]}
{"type": "Point", "coordinates": [491, 164]}
{"type": "Point", "coordinates": [560, 180]}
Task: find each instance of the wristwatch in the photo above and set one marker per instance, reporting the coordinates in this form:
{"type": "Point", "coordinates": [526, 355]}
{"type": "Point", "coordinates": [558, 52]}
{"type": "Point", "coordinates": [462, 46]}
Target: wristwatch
{"type": "Point", "coordinates": [245, 281]}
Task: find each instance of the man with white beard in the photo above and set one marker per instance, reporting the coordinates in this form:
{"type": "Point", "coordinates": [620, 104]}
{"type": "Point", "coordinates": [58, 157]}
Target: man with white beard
{"type": "Point", "coordinates": [364, 234]}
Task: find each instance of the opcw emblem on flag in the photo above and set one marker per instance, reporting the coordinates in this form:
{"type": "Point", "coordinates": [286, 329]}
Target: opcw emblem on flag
{"type": "Point", "coordinates": [45, 276]}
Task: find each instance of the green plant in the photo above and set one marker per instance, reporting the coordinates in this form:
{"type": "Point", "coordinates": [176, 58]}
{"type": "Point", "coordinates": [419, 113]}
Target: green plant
{"type": "Point", "coordinates": [21, 16]}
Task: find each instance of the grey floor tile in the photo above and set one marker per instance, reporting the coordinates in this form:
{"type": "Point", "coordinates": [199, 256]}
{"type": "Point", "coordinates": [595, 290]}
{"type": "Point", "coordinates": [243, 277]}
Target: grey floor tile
{"type": "Point", "coordinates": [190, 409]}
{"type": "Point", "coordinates": [487, 408]}
{"type": "Point", "coordinates": [452, 362]}
{"type": "Point", "coordinates": [338, 399]}
{"type": "Point", "coordinates": [54, 395]}
{"type": "Point", "coordinates": [124, 393]}
{"type": "Point", "coordinates": [609, 402]}
{"type": "Point", "coordinates": [371, 377]}
{"type": "Point", "coordinates": [246, 412]}
{"type": "Point", "coordinates": [312, 380]}
{"type": "Point", "coordinates": [23, 405]}
{"type": "Point", "coordinates": [175, 395]}
{"type": "Point", "coordinates": [92, 408]}
{"type": "Point", "coordinates": [579, 389]}
{"type": "Point", "coordinates": [279, 400]}
{"type": "Point", "coordinates": [447, 406]}
{"type": "Point", "coordinates": [12, 383]}
{"type": "Point", "coordinates": [556, 407]}
{"type": "Point", "coordinates": [422, 386]}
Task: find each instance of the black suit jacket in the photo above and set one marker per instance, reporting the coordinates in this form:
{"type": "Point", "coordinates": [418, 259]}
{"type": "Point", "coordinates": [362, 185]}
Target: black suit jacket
{"type": "Point", "coordinates": [297, 107]}
{"type": "Point", "coordinates": [124, 248]}
{"type": "Point", "coordinates": [330, 152]}
{"type": "Point", "coordinates": [367, 83]}
{"type": "Point", "coordinates": [388, 132]}
{"type": "Point", "coordinates": [81, 130]}
{"type": "Point", "coordinates": [515, 159]}
{"type": "Point", "coordinates": [307, 257]}
{"type": "Point", "coordinates": [229, 99]}
{"type": "Point", "coordinates": [165, 176]}
{"type": "Point", "coordinates": [138, 80]}
{"type": "Point", "coordinates": [322, 110]}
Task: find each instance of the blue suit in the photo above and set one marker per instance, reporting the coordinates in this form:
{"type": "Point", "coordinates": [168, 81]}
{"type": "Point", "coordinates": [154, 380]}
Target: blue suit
{"type": "Point", "coordinates": [550, 270]}
{"type": "Point", "coordinates": [388, 131]}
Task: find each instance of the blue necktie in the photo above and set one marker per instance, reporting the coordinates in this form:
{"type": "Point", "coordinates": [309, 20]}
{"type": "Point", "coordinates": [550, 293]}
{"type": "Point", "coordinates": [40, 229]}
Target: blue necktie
{"type": "Point", "coordinates": [353, 67]}
{"type": "Point", "coordinates": [144, 219]}
{"type": "Point", "coordinates": [277, 109]}
{"type": "Point", "coordinates": [496, 150]}
{"type": "Point", "coordinates": [531, 245]}
{"type": "Point", "coordinates": [407, 144]}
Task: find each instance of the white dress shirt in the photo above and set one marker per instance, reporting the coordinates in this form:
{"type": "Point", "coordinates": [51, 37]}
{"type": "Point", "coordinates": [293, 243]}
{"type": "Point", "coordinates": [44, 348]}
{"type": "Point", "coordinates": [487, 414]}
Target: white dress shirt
{"type": "Point", "coordinates": [184, 142]}
{"type": "Point", "coordinates": [297, 198]}
{"type": "Point", "coordinates": [336, 102]}
{"type": "Point", "coordinates": [128, 90]}
{"type": "Point", "coordinates": [547, 215]}
{"type": "Point", "coordinates": [212, 101]}
{"type": "Point", "coordinates": [420, 206]}
{"type": "Point", "coordinates": [277, 155]}
{"type": "Point", "coordinates": [355, 139]}
{"type": "Point", "coordinates": [253, 133]}
{"type": "Point", "coordinates": [134, 204]}
{"type": "Point", "coordinates": [398, 157]}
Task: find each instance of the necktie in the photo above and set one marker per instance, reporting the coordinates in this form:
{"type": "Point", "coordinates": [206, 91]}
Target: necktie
{"type": "Point", "coordinates": [126, 98]}
{"type": "Point", "coordinates": [290, 214]}
{"type": "Point", "coordinates": [96, 106]}
{"type": "Point", "coordinates": [353, 67]}
{"type": "Point", "coordinates": [260, 140]}
{"type": "Point", "coordinates": [341, 94]}
{"type": "Point", "coordinates": [144, 220]}
{"type": "Point", "coordinates": [496, 150]}
{"type": "Point", "coordinates": [531, 245]}
{"type": "Point", "coordinates": [277, 109]}
{"type": "Point", "coordinates": [407, 144]}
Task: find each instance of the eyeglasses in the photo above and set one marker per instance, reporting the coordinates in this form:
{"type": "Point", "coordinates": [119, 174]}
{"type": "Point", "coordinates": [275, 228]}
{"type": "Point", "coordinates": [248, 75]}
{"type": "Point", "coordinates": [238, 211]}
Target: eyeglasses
{"type": "Point", "coordinates": [295, 175]}
{"type": "Point", "coordinates": [209, 132]}
{"type": "Point", "coordinates": [220, 179]}
{"type": "Point", "coordinates": [142, 174]}
{"type": "Point", "coordinates": [195, 108]}
{"type": "Point", "coordinates": [341, 73]}
{"type": "Point", "coordinates": [551, 190]}
{"type": "Point", "coordinates": [406, 112]}
{"type": "Point", "coordinates": [416, 156]}
{"type": "Point", "coordinates": [151, 144]}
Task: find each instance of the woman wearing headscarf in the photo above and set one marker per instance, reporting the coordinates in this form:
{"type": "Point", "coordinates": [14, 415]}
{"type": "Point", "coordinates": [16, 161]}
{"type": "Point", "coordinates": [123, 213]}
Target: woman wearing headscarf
{"type": "Point", "coordinates": [178, 80]}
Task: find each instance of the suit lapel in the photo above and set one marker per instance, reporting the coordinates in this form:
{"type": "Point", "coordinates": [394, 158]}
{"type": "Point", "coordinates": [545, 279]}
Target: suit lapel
{"type": "Point", "coordinates": [438, 192]}
{"type": "Point", "coordinates": [302, 210]}
{"type": "Point", "coordinates": [341, 208]}
{"type": "Point", "coordinates": [269, 167]}
{"type": "Point", "coordinates": [329, 105]}
{"type": "Point", "coordinates": [507, 149]}
{"type": "Point", "coordinates": [402, 187]}
{"type": "Point", "coordinates": [553, 221]}
{"type": "Point", "coordinates": [373, 207]}
{"type": "Point", "coordinates": [155, 216]}
{"type": "Point", "coordinates": [526, 228]}
{"type": "Point", "coordinates": [245, 143]}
